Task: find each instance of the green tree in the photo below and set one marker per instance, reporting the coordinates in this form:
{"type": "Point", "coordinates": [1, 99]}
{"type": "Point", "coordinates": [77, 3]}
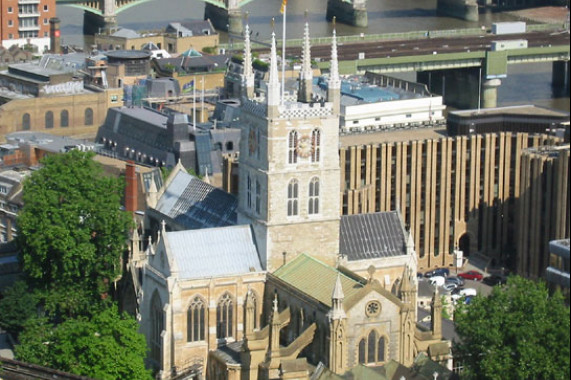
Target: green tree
{"type": "Point", "coordinates": [71, 231]}
{"type": "Point", "coordinates": [106, 346]}
{"type": "Point", "coordinates": [18, 304]}
{"type": "Point", "coordinates": [518, 332]}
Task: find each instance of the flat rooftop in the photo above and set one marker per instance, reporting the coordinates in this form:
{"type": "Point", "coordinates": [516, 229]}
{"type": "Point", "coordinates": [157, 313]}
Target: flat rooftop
{"type": "Point", "coordinates": [392, 136]}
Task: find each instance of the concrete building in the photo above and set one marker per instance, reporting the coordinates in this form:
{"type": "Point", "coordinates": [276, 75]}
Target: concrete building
{"type": "Point", "coordinates": [25, 22]}
{"type": "Point", "coordinates": [542, 207]}
{"type": "Point", "coordinates": [176, 38]}
{"type": "Point", "coordinates": [557, 273]}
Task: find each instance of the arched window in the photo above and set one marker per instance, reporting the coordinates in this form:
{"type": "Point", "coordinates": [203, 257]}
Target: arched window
{"type": "Point", "coordinates": [315, 145]}
{"type": "Point", "coordinates": [64, 119]}
{"type": "Point", "coordinates": [88, 116]}
{"type": "Point", "coordinates": [157, 326]}
{"type": "Point", "coordinates": [49, 120]}
{"type": "Point", "coordinates": [249, 191]}
{"type": "Point", "coordinates": [362, 347]}
{"type": "Point", "coordinates": [196, 320]}
{"type": "Point", "coordinates": [224, 317]}
{"type": "Point", "coordinates": [26, 122]}
{"type": "Point", "coordinates": [372, 349]}
{"type": "Point", "coordinates": [292, 147]}
{"type": "Point", "coordinates": [313, 203]}
{"type": "Point", "coordinates": [292, 195]}
{"type": "Point", "coordinates": [258, 196]}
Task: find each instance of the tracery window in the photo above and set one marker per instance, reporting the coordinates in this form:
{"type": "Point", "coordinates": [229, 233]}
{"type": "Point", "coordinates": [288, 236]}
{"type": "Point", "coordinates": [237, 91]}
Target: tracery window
{"type": "Point", "coordinates": [315, 145]}
{"type": "Point", "coordinates": [292, 198]}
{"type": "Point", "coordinates": [196, 320]}
{"type": "Point", "coordinates": [313, 203]}
{"type": "Point", "coordinates": [292, 147]}
{"type": "Point", "coordinates": [224, 317]}
{"type": "Point", "coordinates": [372, 349]}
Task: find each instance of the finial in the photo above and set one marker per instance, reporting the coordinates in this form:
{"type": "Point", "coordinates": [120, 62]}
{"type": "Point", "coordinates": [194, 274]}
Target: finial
{"type": "Point", "coordinates": [163, 225]}
{"type": "Point", "coordinates": [333, 22]}
{"type": "Point", "coordinates": [305, 15]}
{"type": "Point", "coordinates": [273, 25]}
{"type": "Point", "coordinates": [246, 16]}
{"type": "Point", "coordinates": [275, 302]}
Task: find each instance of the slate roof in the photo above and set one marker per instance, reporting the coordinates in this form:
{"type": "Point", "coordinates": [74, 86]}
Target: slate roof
{"type": "Point", "coordinates": [214, 252]}
{"type": "Point", "coordinates": [195, 204]}
{"type": "Point", "coordinates": [230, 352]}
{"type": "Point", "coordinates": [370, 236]}
{"type": "Point", "coordinates": [316, 279]}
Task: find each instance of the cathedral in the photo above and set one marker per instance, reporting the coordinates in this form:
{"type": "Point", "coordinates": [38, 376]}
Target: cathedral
{"type": "Point", "coordinates": [275, 284]}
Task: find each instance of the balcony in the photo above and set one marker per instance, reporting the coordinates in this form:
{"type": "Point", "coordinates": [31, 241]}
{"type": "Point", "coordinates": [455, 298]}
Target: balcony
{"type": "Point", "coordinates": [27, 28]}
{"type": "Point", "coordinates": [28, 1]}
{"type": "Point", "coordinates": [29, 14]}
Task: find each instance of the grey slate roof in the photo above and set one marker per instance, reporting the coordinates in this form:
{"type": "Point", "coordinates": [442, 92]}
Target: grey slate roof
{"type": "Point", "coordinates": [230, 352]}
{"type": "Point", "coordinates": [195, 204]}
{"type": "Point", "coordinates": [214, 252]}
{"type": "Point", "coordinates": [370, 236]}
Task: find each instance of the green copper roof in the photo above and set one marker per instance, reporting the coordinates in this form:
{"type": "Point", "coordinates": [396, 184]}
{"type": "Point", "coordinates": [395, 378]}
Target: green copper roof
{"type": "Point", "coordinates": [316, 279]}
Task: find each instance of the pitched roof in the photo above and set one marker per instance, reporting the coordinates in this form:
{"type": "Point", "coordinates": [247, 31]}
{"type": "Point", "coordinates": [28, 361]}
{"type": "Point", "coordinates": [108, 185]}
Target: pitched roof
{"type": "Point", "coordinates": [195, 204]}
{"type": "Point", "coordinates": [304, 273]}
{"type": "Point", "coordinates": [370, 236]}
{"type": "Point", "coordinates": [214, 252]}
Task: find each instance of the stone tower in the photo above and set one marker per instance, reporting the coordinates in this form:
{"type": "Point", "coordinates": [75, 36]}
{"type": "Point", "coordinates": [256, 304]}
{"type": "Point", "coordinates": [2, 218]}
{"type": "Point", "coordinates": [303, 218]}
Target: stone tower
{"type": "Point", "coordinates": [289, 173]}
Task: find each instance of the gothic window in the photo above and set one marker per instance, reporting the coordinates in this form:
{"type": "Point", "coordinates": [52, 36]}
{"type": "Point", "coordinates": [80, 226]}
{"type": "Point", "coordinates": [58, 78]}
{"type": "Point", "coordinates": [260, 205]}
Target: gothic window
{"type": "Point", "coordinates": [26, 122]}
{"type": "Point", "coordinates": [196, 320]}
{"type": "Point", "coordinates": [292, 147]}
{"type": "Point", "coordinates": [372, 349]}
{"type": "Point", "coordinates": [315, 145]}
{"type": "Point", "coordinates": [64, 119]}
{"type": "Point", "coordinates": [292, 198]}
{"type": "Point", "coordinates": [49, 120]}
{"type": "Point", "coordinates": [258, 196]}
{"type": "Point", "coordinates": [88, 116]}
{"type": "Point", "coordinates": [157, 326]}
{"type": "Point", "coordinates": [249, 191]}
{"type": "Point", "coordinates": [313, 206]}
{"type": "Point", "coordinates": [224, 317]}
{"type": "Point", "coordinates": [251, 303]}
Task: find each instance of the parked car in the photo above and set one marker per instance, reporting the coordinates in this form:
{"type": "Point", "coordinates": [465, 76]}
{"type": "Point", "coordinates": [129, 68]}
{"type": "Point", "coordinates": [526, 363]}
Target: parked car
{"type": "Point", "coordinates": [437, 280]}
{"type": "Point", "coordinates": [459, 281]}
{"type": "Point", "coordinates": [466, 292]}
{"type": "Point", "coordinates": [472, 275]}
{"type": "Point", "coordinates": [494, 280]}
{"type": "Point", "coordinates": [444, 272]}
{"type": "Point", "coordinates": [449, 286]}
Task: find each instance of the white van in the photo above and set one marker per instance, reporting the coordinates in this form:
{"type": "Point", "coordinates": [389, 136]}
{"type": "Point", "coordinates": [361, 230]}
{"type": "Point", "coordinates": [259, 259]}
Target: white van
{"type": "Point", "coordinates": [467, 292]}
{"type": "Point", "coordinates": [437, 280]}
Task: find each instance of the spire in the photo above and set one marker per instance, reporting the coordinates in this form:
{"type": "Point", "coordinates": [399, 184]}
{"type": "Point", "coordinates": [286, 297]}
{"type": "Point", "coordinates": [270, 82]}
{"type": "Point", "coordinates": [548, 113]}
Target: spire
{"type": "Point", "coordinates": [273, 95]}
{"type": "Point", "coordinates": [334, 81]}
{"type": "Point", "coordinates": [334, 85]}
{"type": "Point", "coordinates": [306, 74]}
{"type": "Point", "coordinates": [337, 311]}
{"type": "Point", "coordinates": [248, 70]}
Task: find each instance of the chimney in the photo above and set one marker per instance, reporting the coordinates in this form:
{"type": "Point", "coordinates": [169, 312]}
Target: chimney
{"type": "Point", "coordinates": [131, 187]}
{"type": "Point", "coordinates": [55, 36]}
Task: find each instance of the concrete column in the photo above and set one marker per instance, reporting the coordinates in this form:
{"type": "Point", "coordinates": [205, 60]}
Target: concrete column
{"type": "Point", "coordinates": [94, 23]}
{"type": "Point", "coordinates": [560, 75]}
{"type": "Point", "coordinates": [351, 13]}
{"type": "Point", "coordinates": [490, 93]}
{"type": "Point", "coordinates": [229, 20]}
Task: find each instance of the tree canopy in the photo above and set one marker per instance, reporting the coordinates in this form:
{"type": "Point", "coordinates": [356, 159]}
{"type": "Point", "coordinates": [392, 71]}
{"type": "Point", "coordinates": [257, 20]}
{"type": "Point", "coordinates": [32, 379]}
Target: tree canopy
{"type": "Point", "coordinates": [106, 346]}
{"type": "Point", "coordinates": [518, 332]}
{"type": "Point", "coordinates": [71, 230]}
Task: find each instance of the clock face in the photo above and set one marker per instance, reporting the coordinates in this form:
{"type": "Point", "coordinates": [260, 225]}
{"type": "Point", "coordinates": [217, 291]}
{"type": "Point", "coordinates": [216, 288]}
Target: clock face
{"type": "Point", "coordinates": [304, 148]}
{"type": "Point", "coordinates": [252, 141]}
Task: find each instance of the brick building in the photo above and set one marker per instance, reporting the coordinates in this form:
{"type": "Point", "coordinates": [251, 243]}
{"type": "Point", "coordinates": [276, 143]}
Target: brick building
{"type": "Point", "coordinates": [25, 22]}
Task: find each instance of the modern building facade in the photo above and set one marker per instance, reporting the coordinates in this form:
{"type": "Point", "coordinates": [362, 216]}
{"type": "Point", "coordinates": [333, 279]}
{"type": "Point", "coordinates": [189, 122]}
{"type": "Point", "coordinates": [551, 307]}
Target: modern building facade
{"type": "Point", "coordinates": [557, 273]}
{"type": "Point", "coordinates": [26, 22]}
{"type": "Point", "coordinates": [542, 207]}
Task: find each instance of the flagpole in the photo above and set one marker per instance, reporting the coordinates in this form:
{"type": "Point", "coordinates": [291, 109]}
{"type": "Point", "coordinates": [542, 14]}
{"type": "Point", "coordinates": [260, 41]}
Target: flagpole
{"type": "Point", "coordinates": [284, 50]}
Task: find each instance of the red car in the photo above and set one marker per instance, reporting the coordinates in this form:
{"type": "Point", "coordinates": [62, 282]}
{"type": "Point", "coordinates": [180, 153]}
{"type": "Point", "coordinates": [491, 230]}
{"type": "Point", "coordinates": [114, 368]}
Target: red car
{"type": "Point", "coordinates": [472, 275]}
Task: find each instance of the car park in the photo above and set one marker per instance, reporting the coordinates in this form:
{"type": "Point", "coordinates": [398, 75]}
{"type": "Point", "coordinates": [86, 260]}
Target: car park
{"type": "Point", "coordinates": [444, 272]}
{"type": "Point", "coordinates": [459, 281]}
{"type": "Point", "coordinates": [437, 280]}
{"type": "Point", "coordinates": [472, 275]}
{"type": "Point", "coordinates": [494, 280]}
